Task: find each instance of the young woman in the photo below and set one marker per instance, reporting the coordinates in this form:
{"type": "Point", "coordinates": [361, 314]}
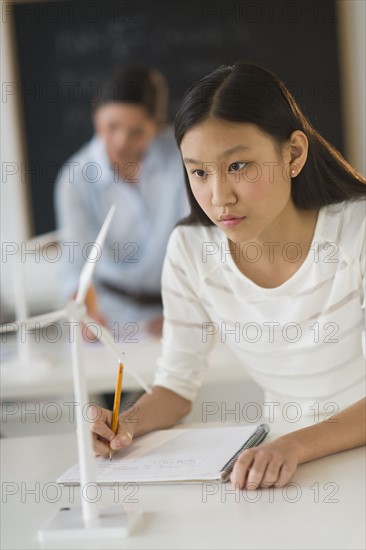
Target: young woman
{"type": "Point", "coordinates": [272, 256]}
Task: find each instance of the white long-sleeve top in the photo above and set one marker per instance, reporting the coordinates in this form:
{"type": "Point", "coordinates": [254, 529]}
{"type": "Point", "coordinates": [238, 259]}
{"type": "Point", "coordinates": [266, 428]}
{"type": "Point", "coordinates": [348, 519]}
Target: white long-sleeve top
{"type": "Point", "coordinates": [302, 341]}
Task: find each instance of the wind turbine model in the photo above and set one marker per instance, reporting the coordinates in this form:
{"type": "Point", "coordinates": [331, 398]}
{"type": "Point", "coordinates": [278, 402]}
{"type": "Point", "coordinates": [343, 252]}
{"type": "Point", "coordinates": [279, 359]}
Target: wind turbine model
{"type": "Point", "coordinates": [23, 356]}
{"type": "Point", "coordinates": [89, 521]}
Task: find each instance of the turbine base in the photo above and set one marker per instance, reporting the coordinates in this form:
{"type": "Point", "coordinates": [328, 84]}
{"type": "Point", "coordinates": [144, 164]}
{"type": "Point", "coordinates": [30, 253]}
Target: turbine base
{"type": "Point", "coordinates": [67, 524]}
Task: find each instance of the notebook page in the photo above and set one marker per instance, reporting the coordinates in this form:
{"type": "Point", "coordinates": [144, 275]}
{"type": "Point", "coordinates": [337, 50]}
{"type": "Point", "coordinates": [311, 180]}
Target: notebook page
{"type": "Point", "coordinates": [170, 455]}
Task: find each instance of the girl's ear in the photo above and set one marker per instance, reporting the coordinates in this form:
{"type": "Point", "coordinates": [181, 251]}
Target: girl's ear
{"type": "Point", "coordinates": [298, 152]}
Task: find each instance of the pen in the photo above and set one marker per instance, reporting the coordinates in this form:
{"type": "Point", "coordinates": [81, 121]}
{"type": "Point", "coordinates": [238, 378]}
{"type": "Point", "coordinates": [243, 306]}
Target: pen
{"type": "Point", "coordinates": [117, 401]}
{"type": "Point", "coordinates": [254, 440]}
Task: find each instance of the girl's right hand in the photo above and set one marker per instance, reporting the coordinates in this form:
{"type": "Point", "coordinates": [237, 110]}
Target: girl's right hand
{"type": "Point", "coordinates": [104, 438]}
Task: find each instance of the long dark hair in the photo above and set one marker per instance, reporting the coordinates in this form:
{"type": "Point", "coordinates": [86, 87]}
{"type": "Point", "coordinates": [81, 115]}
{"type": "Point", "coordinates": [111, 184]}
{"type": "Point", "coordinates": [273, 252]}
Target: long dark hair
{"type": "Point", "coordinates": [248, 92]}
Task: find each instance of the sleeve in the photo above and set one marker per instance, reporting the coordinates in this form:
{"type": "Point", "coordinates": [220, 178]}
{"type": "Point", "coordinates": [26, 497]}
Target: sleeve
{"type": "Point", "coordinates": [75, 230]}
{"type": "Point", "coordinates": [184, 354]}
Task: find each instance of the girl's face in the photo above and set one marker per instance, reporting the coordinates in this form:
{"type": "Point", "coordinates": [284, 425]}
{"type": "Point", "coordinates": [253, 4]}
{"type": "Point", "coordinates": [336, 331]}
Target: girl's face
{"type": "Point", "coordinates": [235, 171]}
{"type": "Point", "coordinates": [126, 129]}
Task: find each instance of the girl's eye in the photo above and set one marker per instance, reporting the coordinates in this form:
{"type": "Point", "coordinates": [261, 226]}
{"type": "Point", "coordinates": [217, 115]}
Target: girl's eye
{"type": "Point", "coordinates": [199, 173]}
{"type": "Point", "coordinates": [236, 166]}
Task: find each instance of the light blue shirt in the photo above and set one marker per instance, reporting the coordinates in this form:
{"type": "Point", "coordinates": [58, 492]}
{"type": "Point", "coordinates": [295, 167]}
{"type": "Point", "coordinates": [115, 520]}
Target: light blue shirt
{"type": "Point", "coordinates": [146, 213]}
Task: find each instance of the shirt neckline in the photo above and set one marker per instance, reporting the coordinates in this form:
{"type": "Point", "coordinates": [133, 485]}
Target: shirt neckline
{"type": "Point", "coordinates": [293, 278]}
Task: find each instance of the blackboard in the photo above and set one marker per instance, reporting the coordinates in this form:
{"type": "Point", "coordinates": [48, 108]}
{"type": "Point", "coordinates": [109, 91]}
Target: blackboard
{"type": "Point", "coordinates": [66, 48]}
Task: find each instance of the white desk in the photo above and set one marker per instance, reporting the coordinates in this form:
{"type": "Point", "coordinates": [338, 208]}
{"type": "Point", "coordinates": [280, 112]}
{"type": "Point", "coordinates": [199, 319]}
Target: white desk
{"type": "Point", "coordinates": [26, 387]}
{"type": "Point", "coordinates": [50, 370]}
{"type": "Point", "coordinates": [178, 516]}
{"type": "Point", "coordinates": [45, 380]}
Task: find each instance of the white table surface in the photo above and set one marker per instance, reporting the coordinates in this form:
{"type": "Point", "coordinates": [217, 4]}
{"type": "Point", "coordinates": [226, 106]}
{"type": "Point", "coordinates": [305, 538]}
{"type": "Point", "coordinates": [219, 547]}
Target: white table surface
{"type": "Point", "coordinates": [323, 508]}
{"type": "Point", "coordinates": [49, 372]}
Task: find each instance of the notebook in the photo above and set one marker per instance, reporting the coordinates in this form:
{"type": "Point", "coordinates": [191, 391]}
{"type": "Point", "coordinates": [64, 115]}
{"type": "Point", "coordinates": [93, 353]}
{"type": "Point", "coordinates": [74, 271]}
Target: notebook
{"type": "Point", "coordinates": [175, 455]}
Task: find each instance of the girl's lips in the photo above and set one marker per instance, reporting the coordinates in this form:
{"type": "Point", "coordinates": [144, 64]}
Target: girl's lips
{"type": "Point", "coordinates": [232, 221]}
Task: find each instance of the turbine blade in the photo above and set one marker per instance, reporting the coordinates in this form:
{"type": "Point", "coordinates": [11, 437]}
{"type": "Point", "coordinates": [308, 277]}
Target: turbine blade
{"type": "Point", "coordinates": [113, 347]}
{"type": "Point", "coordinates": [90, 264]}
{"type": "Point", "coordinates": [41, 320]}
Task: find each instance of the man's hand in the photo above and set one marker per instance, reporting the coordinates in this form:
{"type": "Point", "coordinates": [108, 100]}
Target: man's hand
{"type": "Point", "coordinates": [155, 326]}
{"type": "Point", "coordinates": [272, 464]}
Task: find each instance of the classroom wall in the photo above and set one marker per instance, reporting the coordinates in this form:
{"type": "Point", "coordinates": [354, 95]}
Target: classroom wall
{"type": "Point", "coordinates": [64, 53]}
{"type": "Point", "coordinates": [16, 209]}
{"type": "Point", "coordinates": [352, 51]}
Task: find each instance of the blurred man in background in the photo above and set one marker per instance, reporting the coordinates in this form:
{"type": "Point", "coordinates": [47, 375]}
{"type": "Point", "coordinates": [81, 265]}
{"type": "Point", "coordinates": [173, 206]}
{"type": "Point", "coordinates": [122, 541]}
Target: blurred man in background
{"type": "Point", "coordinates": [131, 161]}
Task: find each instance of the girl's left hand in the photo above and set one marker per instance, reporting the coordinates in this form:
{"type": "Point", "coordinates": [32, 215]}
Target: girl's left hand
{"type": "Point", "coordinates": [272, 464]}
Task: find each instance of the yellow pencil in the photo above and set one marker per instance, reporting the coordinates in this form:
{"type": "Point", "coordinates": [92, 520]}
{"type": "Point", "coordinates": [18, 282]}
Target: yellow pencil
{"type": "Point", "coordinates": [117, 401]}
